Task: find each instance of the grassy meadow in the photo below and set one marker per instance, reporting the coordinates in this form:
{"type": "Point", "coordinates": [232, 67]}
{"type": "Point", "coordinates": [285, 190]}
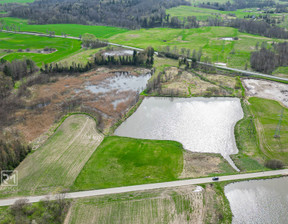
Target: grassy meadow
{"type": "Point", "coordinates": [254, 134]}
{"type": "Point", "coordinates": [75, 30]}
{"type": "Point", "coordinates": [250, 156]}
{"type": "Point", "coordinates": [267, 115]}
{"type": "Point", "coordinates": [203, 14]}
{"type": "Point", "coordinates": [57, 163]}
{"type": "Point", "coordinates": [234, 53]}
{"type": "Point", "coordinates": [120, 161]}
{"type": "Point", "coordinates": [14, 42]}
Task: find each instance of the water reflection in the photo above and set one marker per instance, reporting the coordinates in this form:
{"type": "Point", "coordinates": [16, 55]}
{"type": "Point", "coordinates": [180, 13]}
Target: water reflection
{"type": "Point", "coordinates": [122, 81]}
{"type": "Point", "coordinates": [259, 201]}
{"type": "Point", "coordinates": [200, 124]}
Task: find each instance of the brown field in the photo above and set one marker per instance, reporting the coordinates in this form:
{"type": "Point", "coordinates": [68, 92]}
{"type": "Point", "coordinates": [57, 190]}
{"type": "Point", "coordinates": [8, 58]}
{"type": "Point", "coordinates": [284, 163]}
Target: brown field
{"type": "Point", "coordinates": [203, 164]}
{"type": "Point", "coordinates": [179, 82]}
{"type": "Point", "coordinates": [45, 104]}
{"type": "Point", "coordinates": [172, 205]}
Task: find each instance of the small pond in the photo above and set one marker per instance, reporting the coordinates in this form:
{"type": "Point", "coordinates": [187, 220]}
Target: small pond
{"type": "Point", "coordinates": [259, 201]}
{"type": "Point", "coordinates": [118, 53]}
{"type": "Point", "coordinates": [122, 81]}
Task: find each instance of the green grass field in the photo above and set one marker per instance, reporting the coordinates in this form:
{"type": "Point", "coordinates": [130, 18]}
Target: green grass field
{"type": "Point", "coordinates": [250, 156]}
{"type": "Point", "coordinates": [82, 56]}
{"type": "Point", "coordinates": [267, 115]}
{"type": "Point", "coordinates": [64, 47]}
{"type": "Point", "coordinates": [57, 163]}
{"type": "Point", "coordinates": [254, 134]}
{"type": "Point", "coordinates": [120, 161]}
{"type": "Point", "coordinates": [75, 30]}
{"type": "Point", "coordinates": [207, 38]}
{"type": "Point", "coordinates": [202, 14]}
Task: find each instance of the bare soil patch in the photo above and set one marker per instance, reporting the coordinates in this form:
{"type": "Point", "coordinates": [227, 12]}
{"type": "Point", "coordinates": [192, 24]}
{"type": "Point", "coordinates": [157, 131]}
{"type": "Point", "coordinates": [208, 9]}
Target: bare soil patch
{"type": "Point", "coordinates": [266, 89]}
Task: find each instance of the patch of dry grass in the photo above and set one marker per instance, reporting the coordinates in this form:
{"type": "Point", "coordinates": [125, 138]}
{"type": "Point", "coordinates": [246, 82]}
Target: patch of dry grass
{"type": "Point", "coordinates": [204, 164]}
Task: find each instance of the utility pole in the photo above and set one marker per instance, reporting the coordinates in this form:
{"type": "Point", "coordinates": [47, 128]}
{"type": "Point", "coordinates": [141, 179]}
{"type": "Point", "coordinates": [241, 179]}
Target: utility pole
{"type": "Point", "coordinates": [277, 131]}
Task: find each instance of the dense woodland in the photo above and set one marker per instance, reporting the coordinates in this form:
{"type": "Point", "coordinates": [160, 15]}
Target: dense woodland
{"type": "Point", "coordinates": [11, 154]}
{"type": "Point", "coordinates": [18, 69]}
{"type": "Point", "coordinates": [238, 4]}
{"type": "Point", "coordinates": [267, 60]}
{"type": "Point", "coordinates": [259, 27]}
{"type": "Point", "coordinates": [122, 13]}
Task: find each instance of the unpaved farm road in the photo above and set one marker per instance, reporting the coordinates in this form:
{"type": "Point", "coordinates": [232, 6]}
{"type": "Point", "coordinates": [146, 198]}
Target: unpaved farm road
{"type": "Point", "coordinates": [143, 187]}
{"type": "Point", "coordinates": [247, 73]}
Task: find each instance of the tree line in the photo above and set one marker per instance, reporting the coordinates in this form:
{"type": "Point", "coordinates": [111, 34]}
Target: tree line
{"type": "Point", "coordinates": [142, 58]}
{"type": "Point", "coordinates": [237, 4]}
{"type": "Point", "coordinates": [266, 59]}
{"type": "Point", "coordinates": [90, 41]}
{"type": "Point", "coordinates": [11, 154]}
{"type": "Point", "coordinates": [18, 69]}
{"type": "Point", "coordinates": [45, 212]}
{"type": "Point", "coordinates": [259, 28]}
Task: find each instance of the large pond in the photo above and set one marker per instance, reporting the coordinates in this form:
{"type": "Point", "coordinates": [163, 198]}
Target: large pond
{"type": "Point", "coordinates": [259, 201]}
{"type": "Point", "coordinates": [200, 124]}
{"type": "Point", "coordinates": [122, 81]}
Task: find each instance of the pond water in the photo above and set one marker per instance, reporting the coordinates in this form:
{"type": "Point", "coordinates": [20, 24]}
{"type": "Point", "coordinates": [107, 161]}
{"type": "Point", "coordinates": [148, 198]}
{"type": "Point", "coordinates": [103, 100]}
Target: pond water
{"type": "Point", "coordinates": [200, 124]}
{"type": "Point", "coordinates": [118, 53]}
{"type": "Point", "coordinates": [259, 201]}
{"type": "Point", "coordinates": [227, 38]}
{"type": "Point", "coordinates": [122, 81]}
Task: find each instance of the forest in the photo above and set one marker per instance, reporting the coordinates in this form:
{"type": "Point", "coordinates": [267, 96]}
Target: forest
{"type": "Point", "coordinates": [237, 4]}
{"type": "Point", "coordinates": [267, 60]}
{"type": "Point", "coordinates": [125, 13]}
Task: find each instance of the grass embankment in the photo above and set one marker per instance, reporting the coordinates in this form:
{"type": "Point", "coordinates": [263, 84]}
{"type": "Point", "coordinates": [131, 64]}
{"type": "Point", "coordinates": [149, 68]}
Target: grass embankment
{"type": "Point", "coordinates": [177, 205]}
{"type": "Point", "coordinates": [56, 164]}
{"type": "Point", "coordinates": [207, 38]}
{"type": "Point", "coordinates": [14, 42]}
{"type": "Point", "coordinates": [250, 156]}
{"type": "Point", "coordinates": [267, 116]}
{"type": "Point", "coordinates": [255, 134]}
{"type": "Point", "coordinates": [74, 30]}
{"type": "Point", "coordinates": [120, 161]}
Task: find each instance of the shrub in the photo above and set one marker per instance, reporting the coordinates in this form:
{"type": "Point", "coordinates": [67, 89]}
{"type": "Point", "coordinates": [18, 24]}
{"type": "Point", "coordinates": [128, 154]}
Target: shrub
{"type": "Point", "coordinates": [274, 164]}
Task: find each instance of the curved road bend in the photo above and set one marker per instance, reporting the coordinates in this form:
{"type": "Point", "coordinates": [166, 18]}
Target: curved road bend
{"type": "Point", "coordinates": [245, 72]}
{"type": "Point", "coordinates": [143, 187]}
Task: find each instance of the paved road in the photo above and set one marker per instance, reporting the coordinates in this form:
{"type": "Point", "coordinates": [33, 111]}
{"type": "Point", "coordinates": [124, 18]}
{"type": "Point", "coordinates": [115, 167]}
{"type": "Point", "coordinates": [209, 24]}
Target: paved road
{"type": "Point", "coordinates": [117, 190]}
{"type": "Point", "coordinates": [248, 73]}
